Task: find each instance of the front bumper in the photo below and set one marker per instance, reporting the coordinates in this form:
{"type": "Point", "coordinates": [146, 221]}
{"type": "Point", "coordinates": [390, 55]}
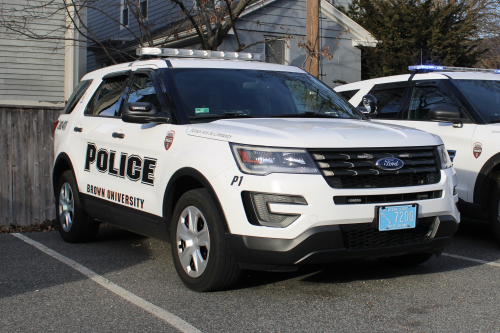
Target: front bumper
{"type": "Point", "coordinates": [325, 244]}
{"type": "Point", "coordinates": [321, 209]}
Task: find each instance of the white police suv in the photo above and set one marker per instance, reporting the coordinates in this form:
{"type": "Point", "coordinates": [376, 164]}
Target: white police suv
{"type": "Point", "coordinates": [242, 164]}
{"type": "Point", "coordinates": [462, 106]}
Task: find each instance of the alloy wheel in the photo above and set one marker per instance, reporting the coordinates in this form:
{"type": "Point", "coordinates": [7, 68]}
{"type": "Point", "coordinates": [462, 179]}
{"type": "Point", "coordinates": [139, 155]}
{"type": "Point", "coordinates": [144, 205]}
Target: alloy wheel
{"type": "Point", "coordinates": [193, 241]}
{"type": "Point", "coordinates": [66, 207]}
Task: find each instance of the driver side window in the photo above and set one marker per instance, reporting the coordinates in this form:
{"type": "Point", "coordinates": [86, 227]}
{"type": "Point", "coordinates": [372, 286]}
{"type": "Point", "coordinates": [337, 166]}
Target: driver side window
{"type": "Point", "coordinates": [424, 98]}
{"type": "Point", "coordinates": [143, 90]}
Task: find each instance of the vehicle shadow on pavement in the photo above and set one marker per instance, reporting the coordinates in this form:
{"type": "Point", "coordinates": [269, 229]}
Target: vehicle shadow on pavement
{"type": "Point", "coordinates": [476, 231]}
{"type": "Point", "coordinates": [474, 239]}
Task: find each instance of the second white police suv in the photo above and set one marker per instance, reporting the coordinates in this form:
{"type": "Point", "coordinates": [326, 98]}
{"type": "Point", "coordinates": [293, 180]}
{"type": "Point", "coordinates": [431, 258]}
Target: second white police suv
{"type": "Point", "coordinates": [462, 106]}
{"type": "Point", "coordinates": [245, 165]}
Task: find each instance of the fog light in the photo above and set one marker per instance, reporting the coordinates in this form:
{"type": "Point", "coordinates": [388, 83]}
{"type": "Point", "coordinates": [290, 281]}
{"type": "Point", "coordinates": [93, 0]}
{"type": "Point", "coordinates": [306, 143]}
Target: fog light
{"type": "Point", "coordinates": [257, 207]}
{"type": "Point", "coordinates": [455, 190]}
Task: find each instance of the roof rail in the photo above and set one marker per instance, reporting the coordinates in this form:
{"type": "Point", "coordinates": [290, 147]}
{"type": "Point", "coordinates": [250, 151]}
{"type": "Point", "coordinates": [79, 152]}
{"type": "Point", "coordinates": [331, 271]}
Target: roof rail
{"type": "Point", "coordinates": [202, 54]}
{"type": "Point", "coordinates": [432, 68]}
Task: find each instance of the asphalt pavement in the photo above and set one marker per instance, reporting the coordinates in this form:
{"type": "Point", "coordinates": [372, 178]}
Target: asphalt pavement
{"type": "Point", "coordinates": [40, 292]}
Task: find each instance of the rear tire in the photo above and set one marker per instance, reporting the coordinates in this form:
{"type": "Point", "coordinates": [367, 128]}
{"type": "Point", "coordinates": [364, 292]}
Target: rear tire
{"type": "Point", "coordinates": [200, 250]}
{"type": "Point", "coordinates": [495, 207]}
{"type": "Point", "coordinates": [74, 224]}
{"type": "Point", "coordinates": [407, 260]}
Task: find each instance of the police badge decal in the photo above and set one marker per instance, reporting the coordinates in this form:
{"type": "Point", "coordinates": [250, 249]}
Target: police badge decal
{"type": "Point", "coordinates": [477, 149]}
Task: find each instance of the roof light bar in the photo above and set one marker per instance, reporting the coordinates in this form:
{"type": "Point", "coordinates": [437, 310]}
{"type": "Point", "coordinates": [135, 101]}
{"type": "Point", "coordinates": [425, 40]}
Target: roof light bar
{"type": "Point", "coordinates": [432, 68]}
{"type": "Point", "coordinates": [204, 54]}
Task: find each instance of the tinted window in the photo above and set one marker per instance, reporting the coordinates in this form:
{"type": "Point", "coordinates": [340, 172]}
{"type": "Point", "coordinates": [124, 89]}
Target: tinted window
{"type": "Point", "coordinates": [388, 102]}
{"type": "Point", "coordinates": [77, 94]}
{"type": "Point", "coordinates": [107, 100]}
{"type": "Point", "coordinates": [256, 93]}
{"type": "Point", "coordinates": [424, 98]}
{"type": "Point", "coordinates": [348, 94]}
{"type": "Point", "coordinates": [484, 95]}
{"type": "Point", "coordinates": [143, 90]}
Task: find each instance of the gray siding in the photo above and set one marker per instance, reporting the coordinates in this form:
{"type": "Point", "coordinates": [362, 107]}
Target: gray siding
{"type": "Point", "coordinates": [104, 22]}
{"type": "Point", "coordinates": [32, 70]}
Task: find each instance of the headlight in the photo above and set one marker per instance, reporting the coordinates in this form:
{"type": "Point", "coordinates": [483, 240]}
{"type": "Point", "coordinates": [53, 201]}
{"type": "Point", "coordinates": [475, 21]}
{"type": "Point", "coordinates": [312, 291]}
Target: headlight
{"type": "Point", "coordinates": [444, 157]}
{"type": "Point", "coordinates": [264, 160]}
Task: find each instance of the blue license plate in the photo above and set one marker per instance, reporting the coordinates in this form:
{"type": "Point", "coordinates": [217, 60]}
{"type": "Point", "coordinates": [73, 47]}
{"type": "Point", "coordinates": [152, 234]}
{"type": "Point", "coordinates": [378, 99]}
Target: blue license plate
{"type": "Point", "coordinates": [397, 217]}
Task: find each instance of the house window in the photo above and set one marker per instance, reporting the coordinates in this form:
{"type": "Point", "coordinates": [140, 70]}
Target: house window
{"type": "Point", "coordinates": [124, 14]}
{"type": "Point", "coordinates": [143, 6]}
{"type": "Point", "coordinates": [276, 51]}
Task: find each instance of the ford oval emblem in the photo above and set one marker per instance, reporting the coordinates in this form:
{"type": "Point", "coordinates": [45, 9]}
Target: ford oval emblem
{"type": "Point", "coordinates": [390, 163]}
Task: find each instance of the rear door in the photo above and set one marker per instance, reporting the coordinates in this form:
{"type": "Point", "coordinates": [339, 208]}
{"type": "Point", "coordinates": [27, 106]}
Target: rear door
{"type": "Point", "coordinates": [91, 144]}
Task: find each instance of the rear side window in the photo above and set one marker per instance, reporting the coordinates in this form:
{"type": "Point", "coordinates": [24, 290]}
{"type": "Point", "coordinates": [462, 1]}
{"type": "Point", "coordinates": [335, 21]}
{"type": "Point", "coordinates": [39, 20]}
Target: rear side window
{"type": "Point", "coordinates": [77, 94]}
{"type": "Point", "coordinates": [348, 94]}
{"type": "Point", "coordinates": [108, 99]}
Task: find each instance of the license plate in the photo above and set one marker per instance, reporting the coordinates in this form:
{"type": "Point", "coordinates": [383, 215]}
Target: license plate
{"type": "Point", "coordinates": [397, 217]}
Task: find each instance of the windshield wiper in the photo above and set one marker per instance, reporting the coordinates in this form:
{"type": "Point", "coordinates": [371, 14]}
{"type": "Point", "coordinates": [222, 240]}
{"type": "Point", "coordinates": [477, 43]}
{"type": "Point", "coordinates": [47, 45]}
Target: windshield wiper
{"type": "Point", "coordinates": [223, 116]}
{"type": "Point", "coordinates": [307, 114]}
{"type": "Point", "coordinates": [493, 121]}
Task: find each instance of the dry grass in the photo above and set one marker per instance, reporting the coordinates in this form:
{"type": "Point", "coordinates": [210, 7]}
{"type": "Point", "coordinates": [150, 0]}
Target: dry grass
{"type": "Point", "coordinates": [49, 225]}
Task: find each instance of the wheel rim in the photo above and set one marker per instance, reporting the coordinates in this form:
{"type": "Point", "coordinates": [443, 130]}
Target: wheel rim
{"type": "Point", "coordinates": [66, 207]}
{"type": "Point", "coordinates": [193, 241]}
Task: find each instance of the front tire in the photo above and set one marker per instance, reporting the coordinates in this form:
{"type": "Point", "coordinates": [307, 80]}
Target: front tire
{"type": "Point", "coordinates": [495, 207]}
{"type": "Point", "coordinates": [201, 253]}
{"type": "Point", "coordinates": [74, 224]}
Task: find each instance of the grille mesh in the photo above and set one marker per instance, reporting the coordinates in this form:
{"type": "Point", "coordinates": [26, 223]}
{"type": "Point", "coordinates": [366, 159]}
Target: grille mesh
{"type": "Point", "coordinates": [355, 168]}
{"type": "Point", "coordinates": [364, 235]}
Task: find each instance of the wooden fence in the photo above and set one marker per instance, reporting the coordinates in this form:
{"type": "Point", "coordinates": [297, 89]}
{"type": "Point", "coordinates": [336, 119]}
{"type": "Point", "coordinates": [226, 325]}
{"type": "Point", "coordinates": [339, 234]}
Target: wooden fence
{"type": "Point", "coordinates": [26, 157]}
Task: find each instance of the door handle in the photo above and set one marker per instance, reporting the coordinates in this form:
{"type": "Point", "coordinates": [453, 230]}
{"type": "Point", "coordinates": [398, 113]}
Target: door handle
{"type": "Point", "coordinates": [118, 135]}
{"type": "Point", "coordinates": [78, 129]}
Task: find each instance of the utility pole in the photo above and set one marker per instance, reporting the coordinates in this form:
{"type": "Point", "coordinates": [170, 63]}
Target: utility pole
{"type": "Point", "coordinates": [312, 37]}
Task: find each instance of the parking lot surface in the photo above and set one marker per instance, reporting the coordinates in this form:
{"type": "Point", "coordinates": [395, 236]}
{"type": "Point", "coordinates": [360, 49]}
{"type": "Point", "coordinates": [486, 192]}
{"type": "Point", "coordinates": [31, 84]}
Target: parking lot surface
{"type": "Point", "coordinates": [39, 291]}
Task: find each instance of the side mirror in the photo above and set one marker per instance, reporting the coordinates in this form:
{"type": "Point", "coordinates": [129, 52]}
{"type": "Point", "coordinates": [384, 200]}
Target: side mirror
{"type": "Point", "coordinates": [443, 112]}
{"type": "Point", "coordinates": [370, 104]}
{"type": "Point", "coordinates": [143, 113]}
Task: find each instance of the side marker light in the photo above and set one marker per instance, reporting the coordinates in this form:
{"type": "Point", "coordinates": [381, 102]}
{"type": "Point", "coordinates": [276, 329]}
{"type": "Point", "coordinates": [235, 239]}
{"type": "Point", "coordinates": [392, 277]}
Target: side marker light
{"type": "Point", "coordinates": [169, 139]}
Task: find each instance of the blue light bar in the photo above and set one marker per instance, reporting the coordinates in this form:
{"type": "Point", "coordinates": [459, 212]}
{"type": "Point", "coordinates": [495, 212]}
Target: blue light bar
{"type": "Point", "coordinates": [432, 68]}
{"type": "Point", "coordinates": [426, 68]}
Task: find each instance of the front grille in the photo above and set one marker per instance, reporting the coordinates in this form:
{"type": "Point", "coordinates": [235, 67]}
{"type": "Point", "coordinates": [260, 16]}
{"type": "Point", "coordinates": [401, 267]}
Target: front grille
{"type": "Point", "coordinates": [375, 199]}
{"type": "Point", "coordinates": [364, 235]}
{"type": "Point", "coordinates": [355, 168]}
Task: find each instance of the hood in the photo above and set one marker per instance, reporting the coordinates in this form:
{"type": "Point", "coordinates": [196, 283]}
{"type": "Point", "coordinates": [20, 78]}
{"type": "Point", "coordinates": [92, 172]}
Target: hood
{"type": "Point", "coordinates": [312, 133]}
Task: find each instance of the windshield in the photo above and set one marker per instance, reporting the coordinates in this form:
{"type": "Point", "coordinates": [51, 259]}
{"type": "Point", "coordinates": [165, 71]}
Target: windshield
{"type": "Point", "coordinates": [217, 93]}
{"type": "Point", "coordinates": [484, 95]}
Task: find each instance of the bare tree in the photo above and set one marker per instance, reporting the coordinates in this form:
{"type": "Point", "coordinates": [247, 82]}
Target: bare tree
{"type": "Point", "coordinates": [210, 19]}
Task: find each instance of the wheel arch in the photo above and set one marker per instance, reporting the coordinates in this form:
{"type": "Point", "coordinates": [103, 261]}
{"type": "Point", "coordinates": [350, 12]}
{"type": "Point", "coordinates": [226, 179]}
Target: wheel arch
{"type": "Point", "coordinates": [484, 181]}
{"type": "Point", "coordinates": [62, 164]}
{"type": "Point", "coordinates": [184, 180]}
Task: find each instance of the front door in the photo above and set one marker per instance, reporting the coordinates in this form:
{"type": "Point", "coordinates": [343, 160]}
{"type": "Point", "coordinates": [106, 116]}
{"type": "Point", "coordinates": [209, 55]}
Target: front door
{"type": "Point", "coordinates": [138, 151]}
{"type": "Point", "coordinates": [458, 140]}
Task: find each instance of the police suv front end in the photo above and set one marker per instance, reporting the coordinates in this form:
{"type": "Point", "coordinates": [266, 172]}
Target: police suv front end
{"type": "Point", "coordinates": [290, 206]}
